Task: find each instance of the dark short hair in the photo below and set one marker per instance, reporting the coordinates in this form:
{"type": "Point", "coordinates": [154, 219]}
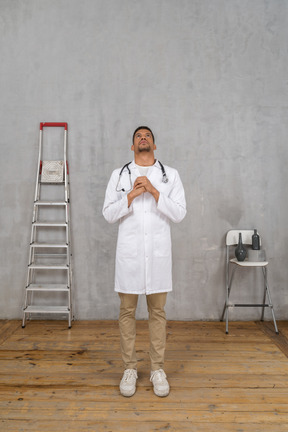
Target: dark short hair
{"type": "Point", "coordinates": [143, 127]}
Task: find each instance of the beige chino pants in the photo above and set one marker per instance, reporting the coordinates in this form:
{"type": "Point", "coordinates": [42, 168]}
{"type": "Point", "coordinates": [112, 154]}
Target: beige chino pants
{"type": "Point", "coordinates": [157, 329]}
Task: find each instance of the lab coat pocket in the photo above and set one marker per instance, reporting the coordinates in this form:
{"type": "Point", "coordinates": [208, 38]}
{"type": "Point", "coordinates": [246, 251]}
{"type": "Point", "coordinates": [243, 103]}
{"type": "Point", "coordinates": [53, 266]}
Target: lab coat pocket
{"type": "Point", "coordinates": [127, 244]}
{"type": "Point", "coordinates": [127, 238]}
{"type": "Point", "coordinates": [161, 246]}
{"type": "Point", "coordinates": [127, 250]}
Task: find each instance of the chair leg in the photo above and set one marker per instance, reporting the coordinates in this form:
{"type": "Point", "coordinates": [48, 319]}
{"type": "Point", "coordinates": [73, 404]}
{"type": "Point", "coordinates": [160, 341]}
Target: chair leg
{"type": "Point", "coordinates": [224, 310]}
{"type": "Point", "coordinates": [226, 305]}
{"type": "Point", "coordinates": [274, 320]}
{"type": "Point", "coordinates": [270, 300]}
{"type": "Point", "coordinates": [264, 297]}
{"type": "Point", "coordinates": [272, 311]}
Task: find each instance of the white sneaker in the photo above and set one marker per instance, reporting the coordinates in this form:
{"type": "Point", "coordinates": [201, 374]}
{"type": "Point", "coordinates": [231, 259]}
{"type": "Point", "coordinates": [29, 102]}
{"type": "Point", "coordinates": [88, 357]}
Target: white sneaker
{"type": "Point", "coordinates": [160, 383]}
{"type": "Point", "coordinates": [128, 382]}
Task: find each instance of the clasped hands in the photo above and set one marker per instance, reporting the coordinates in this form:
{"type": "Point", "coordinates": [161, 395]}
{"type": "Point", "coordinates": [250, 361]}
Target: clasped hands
{"type": "Point", "coordinates": [141, 185]}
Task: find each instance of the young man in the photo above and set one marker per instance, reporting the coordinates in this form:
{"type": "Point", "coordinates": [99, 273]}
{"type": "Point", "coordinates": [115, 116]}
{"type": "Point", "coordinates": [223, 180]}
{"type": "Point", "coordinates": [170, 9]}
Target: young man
{"type": "Point", "coordinates": [144, 196]}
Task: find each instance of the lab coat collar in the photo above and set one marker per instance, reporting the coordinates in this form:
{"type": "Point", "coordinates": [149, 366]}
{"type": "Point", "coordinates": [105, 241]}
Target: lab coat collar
{"type": "Point", "coordinates": [156, 165]}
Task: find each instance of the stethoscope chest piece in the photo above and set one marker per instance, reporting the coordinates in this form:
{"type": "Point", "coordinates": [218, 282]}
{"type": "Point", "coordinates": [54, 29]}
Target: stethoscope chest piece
{"type": "Point", "coordinates": [164, 175]}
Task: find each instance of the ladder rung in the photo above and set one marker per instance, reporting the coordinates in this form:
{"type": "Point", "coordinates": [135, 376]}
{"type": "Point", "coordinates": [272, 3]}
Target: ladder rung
{"type": "Point", "coordinates": [47, 287]}
{"type": "Point", "coordinates": [252, 305]}
{"type": "Point", "coordinates": [50, 203]}
{"type": "Point", "coordinates": [47, 309]}
{"type": "Point", "coordinates": [49, 245]}
{"type": "Point", "coordinates": [50, 224]}
{"type": "Point", "coordinates": [49, 256]}
{"type": "Point", "coordinates": [48, 267]}
{"type": "Point", "coordinates": [52, 183]}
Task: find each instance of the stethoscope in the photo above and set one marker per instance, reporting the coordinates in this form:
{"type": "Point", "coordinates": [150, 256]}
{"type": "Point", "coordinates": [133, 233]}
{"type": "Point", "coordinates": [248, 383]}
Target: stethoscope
{"type": "Point", "coordinates": [164, 176]}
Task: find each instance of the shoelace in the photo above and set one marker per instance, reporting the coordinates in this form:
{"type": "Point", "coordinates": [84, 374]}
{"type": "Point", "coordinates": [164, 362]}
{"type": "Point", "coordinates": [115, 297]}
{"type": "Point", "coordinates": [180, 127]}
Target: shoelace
{"type": "Point", "coordinates": [130, 373]}
{"type": "Point", "coordinates": [158, 375]}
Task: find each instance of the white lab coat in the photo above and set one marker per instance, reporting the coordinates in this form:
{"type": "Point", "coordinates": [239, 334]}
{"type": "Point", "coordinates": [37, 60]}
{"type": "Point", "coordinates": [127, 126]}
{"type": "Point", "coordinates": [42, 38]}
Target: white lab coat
{"type": "Point", "coordinates": [143, 255]}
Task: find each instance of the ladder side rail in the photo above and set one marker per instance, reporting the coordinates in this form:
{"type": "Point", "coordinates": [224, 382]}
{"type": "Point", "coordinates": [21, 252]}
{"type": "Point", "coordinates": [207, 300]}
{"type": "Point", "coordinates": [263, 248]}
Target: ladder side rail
{"type": "Point", "coordinates": [31, 252]}
{"type": "Point", "coordinates": [69, 246]}
{"type": "Point", "coordinates": [36, 198]}
{"type": "Point", "coordinates": [28, 277]}
{"type": "Point", "coordinates": [70, 316]}
{"type": "Point", "coordinates": [33, 233]}
{"type": "Point", "coordinates": [32, 229]}
{"type": "Point", "coordinates": [68, 277]}
{"type": "Point", "coordinates": [30, 272]}
{"type": "Point", "coordinates": [65, 166]}
{"type": "Point", "coordinates": [67, 226]}
{"type": "Point", "coordinates": [69, 259]}
{"type": "Point", "coordinates": [66, 186]}
{"type": "Point", "coordinates": [70, 294]}
{"type": "Point", "coordinates": [28, 281]}
{"type": "Point", "coordinates": [66, 181]}
{"type": "Point", "coordinates": [39, 166]}
{"type": "Point", "coordinates": [68, 254]}
{"type": "Point", "coordinates": [68, 232]}
{"type": "Point", "coordinates": [69, 240]}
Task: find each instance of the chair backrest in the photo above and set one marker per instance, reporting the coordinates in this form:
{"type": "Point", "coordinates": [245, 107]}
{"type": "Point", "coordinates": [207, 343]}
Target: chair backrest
{"type": "Point", "coordinates": [232, 237]}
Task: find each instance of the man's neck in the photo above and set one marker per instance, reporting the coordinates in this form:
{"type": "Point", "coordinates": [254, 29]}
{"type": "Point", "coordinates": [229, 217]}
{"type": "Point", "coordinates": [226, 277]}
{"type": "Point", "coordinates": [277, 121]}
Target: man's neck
{"type": "Point", "coordinates": [144, 159]}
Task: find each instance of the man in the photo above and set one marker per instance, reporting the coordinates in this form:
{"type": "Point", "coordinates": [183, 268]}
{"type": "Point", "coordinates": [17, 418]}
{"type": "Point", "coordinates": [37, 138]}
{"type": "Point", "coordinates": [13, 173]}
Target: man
{"type": "Point", "coordinates": [144, 196]}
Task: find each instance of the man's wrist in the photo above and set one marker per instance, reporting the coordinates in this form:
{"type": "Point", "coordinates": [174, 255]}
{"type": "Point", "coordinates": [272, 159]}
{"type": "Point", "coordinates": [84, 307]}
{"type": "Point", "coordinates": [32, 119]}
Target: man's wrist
{"type": "Point", "coordinates": [130, 198]}
{"type": "Point", "coordinates": [156, 195]}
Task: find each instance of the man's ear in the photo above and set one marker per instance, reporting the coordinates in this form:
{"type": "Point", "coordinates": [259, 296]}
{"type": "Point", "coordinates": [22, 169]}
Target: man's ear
{"type": "Point", "coordinates": [132, 147]}
{"type": "Point", "coordinates": [154, 146]}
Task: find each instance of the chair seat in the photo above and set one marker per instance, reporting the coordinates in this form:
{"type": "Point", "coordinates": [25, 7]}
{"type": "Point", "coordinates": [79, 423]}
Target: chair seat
{"type": "Point", "coordinates": [247, 263]}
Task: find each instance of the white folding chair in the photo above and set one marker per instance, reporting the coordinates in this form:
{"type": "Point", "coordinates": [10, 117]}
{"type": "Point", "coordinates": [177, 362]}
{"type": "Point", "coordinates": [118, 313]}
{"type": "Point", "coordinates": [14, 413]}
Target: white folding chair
{"type": "Point", "coordinates": [232, 238]}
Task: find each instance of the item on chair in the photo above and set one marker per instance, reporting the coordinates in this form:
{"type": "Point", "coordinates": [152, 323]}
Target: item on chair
{"type": "Point", "coordinates": [240, 251]}
{"type": "Point", "coordinates": [255, 240]}
{"type": "Point", "coordinates": [255, 255]}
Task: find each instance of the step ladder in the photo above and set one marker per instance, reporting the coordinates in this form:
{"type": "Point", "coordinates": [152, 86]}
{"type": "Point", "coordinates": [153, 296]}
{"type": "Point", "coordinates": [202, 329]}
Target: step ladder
{"type": "Point", "coordinates": [49, 274]}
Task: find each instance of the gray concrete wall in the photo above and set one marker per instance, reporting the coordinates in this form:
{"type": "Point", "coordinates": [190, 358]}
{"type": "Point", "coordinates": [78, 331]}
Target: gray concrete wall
{"type": "Point", "coordinates": [208, 76]}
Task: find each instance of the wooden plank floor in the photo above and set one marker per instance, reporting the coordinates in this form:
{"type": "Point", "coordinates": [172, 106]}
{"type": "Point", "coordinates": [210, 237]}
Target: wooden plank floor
{"type": "Point", "coordinates": [55, 379]}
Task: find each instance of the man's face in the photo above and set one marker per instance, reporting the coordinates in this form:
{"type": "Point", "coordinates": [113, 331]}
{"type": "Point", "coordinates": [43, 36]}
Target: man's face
{"type": "Point", "coordinates": [143, 141]}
